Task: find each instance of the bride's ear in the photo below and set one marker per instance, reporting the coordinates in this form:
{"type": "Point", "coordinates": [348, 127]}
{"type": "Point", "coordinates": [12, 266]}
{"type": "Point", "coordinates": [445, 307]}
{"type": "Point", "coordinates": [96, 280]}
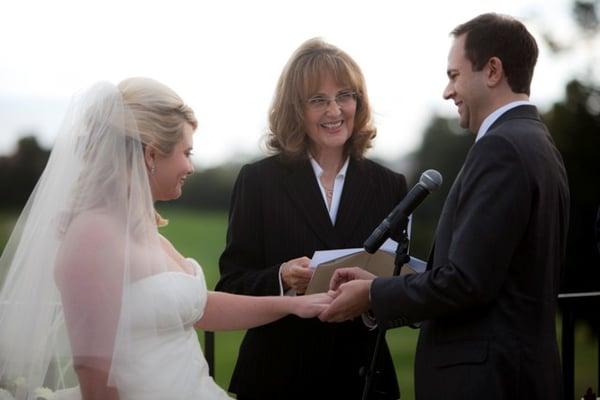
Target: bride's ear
{"type": "Point", "coordinates": [150, 157]}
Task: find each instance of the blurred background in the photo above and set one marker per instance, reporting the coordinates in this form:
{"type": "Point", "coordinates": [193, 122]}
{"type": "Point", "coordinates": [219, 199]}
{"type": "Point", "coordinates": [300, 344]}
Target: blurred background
{"type": "Point", "coordinates": [224, 60]}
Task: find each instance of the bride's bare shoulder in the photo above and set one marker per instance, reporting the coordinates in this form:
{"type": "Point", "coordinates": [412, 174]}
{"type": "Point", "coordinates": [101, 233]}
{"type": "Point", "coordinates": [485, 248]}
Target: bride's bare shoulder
{"type": "Point", "coordinates": [93, 226]}
{"type": "Point", "coordinates": [92, 242]}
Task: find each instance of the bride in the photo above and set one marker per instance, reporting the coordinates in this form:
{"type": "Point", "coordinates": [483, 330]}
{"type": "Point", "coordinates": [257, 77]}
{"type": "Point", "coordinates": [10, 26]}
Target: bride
{"type": "Point", "coordinates": [94, 302]}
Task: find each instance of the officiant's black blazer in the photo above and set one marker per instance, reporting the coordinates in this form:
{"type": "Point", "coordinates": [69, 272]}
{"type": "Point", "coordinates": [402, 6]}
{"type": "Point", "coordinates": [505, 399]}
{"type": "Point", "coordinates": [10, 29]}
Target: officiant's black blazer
{"type": "Point", "coordinates": [278, 213]}
{"type": "Point", "coordinates": [488, 298]}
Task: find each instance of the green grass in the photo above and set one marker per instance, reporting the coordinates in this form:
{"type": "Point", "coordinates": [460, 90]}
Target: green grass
{"type": "Point", "coordinates": [201, 235]}
{"type": "Point", "coordinates": [586, 358]}
{"type": "Point", "coordinates": [7, 221]}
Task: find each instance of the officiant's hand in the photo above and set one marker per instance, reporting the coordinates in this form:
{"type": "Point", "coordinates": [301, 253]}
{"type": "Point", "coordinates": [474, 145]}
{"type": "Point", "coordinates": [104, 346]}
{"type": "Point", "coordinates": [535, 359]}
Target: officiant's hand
{"type": "Point", "coordinates": [295, 274]}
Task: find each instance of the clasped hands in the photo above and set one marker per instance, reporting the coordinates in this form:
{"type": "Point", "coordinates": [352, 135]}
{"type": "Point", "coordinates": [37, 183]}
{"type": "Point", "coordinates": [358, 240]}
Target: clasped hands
{"type": "Point", "coordinates": [349, 288]}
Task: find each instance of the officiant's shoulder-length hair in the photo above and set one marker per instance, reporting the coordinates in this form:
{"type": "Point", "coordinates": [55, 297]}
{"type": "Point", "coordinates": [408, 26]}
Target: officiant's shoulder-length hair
{"type": "Point", "coordinates": [312, 62]}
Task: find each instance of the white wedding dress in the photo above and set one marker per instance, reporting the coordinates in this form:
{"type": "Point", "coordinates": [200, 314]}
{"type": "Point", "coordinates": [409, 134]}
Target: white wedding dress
{"type": "Point", "coordinates": [170, 364]}
{"type": "Point", "coordinates": [85, 282]}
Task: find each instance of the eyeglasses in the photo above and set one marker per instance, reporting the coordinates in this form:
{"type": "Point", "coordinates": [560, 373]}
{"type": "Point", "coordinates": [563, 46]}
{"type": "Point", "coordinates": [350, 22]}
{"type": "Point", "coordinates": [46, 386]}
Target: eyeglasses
{"type": "Point", "coordinates": [342, 99]}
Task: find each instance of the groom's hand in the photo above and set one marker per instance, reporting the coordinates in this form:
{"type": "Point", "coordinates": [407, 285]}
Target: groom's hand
{"type": "Point", "coordinates": [343, 275]}
{"type": "Point", "coordinates": [351, 299]}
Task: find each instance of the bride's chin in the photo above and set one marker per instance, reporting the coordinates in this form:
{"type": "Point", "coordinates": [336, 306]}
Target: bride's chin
{"type": "Point", "coordinates": [177, 194]}
{"type": "Point", "coordinates": [171, 196]}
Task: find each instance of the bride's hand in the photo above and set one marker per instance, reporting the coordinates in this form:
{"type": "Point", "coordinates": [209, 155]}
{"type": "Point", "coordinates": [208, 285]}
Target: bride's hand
{"type": "Point", "coordinates": [311, 305]}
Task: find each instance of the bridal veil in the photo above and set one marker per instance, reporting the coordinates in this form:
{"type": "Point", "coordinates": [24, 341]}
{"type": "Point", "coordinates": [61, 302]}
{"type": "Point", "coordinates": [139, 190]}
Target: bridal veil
{"type": "Point", "coordinates": [87, 234]}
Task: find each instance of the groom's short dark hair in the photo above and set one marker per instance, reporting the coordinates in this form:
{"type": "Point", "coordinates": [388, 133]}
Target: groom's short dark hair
{"type": "Point", "coordinates": [494, 35]}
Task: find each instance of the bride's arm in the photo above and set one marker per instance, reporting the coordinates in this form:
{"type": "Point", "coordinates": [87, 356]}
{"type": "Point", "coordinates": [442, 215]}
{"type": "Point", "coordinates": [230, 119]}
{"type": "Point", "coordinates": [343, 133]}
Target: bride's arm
{"type": "Point", "coordinates": [225, 311]}
{"type": "Point", "coordinates": [92, 383]}
{"type": "Point", "coordinates": [90, 284]}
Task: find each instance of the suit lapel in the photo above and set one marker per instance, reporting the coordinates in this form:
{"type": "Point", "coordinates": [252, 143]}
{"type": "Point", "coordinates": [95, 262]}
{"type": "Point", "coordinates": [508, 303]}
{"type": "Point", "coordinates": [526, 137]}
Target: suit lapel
{"type": "Point", "coordinates": [356, 196]}
{"type": "Point", "coordinates": [304, 193]}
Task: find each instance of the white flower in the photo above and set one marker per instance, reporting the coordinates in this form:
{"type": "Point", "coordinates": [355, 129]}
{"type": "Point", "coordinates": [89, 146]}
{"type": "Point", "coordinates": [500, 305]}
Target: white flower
{"type": "Point", "coordinates": [5, 395]}
{"type": "Point", "coordinates": [44, 393]}
{"type": "Point", "coordinates": [20, 381]}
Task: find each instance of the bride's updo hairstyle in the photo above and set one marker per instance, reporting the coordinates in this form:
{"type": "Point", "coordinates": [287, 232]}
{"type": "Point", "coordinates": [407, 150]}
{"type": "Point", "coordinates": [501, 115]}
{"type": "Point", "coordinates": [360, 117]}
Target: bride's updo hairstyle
{"type": "Point", "coordinates": [160, 115]}
{"type": "Point", "coordinates": [159, 112]}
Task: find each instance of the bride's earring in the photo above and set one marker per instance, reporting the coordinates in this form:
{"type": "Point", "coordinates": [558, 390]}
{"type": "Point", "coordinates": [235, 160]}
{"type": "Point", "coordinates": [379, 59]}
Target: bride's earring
{"type": "Point", "coordinates": [152, 169]}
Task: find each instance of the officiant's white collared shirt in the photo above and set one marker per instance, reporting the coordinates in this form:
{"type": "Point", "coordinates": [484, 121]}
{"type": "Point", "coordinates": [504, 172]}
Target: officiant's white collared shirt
{"type": "Point", "coordinates": [338, 186]}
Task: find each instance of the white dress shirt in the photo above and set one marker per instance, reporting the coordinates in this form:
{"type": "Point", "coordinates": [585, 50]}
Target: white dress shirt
{"type": "Point", "coordinates": [490, 119]}
{"type": "Point", "coordinates": [338, 186]}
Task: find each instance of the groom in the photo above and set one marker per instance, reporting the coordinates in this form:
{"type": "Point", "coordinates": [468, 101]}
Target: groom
{"type": "Point", "coordinates": [488, 297]}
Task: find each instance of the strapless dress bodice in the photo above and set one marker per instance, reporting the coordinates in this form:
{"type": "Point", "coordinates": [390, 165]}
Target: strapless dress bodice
{"type": "Point", "coordinates": [164, 358]}
{"type": "Point", "coordinates": [167, 300]}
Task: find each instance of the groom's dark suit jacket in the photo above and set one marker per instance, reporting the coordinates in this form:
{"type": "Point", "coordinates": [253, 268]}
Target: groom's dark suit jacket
{"type": "Point", "coordinates": [277, 214]}
{"type": "Point", "coordinates": [488, 298]}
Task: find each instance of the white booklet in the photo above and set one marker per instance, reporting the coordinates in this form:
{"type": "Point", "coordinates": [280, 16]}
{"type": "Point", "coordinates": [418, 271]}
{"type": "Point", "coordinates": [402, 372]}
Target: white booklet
{"type": "Point", "coordinates": [381, 263]}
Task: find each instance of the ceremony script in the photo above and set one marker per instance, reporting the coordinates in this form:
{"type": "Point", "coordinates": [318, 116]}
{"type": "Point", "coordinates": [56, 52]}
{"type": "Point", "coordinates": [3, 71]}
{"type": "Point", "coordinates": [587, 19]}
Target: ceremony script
{"type": "Point", "coordinates": [380, 263]}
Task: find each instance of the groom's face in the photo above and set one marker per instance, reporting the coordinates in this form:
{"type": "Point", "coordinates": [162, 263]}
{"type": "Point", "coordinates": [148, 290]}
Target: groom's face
{"type": "Point", "coordinates": [466, 87]}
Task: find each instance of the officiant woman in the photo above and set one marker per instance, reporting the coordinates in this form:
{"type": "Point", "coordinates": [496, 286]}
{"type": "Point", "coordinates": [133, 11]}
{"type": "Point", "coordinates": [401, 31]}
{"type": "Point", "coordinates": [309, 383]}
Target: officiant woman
{"type": "Point", "coordinates": [316, 191]}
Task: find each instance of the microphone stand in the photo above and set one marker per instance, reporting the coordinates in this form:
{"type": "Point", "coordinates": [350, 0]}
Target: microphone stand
{"type": "Point", "coordinates": [401, 258]}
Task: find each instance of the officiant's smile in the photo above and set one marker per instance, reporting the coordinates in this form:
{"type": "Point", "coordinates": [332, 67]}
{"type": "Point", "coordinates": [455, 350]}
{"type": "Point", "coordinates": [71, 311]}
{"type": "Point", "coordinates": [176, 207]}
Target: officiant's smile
{"type": "Point", "coordinates": [329, 116]}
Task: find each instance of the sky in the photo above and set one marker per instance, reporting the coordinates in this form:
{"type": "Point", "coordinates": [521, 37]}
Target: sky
{"type": "Point", "coordinates": [224, 59]}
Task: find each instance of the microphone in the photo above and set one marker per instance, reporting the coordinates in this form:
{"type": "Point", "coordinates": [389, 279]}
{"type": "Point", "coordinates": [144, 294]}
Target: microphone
{"type": "Point", "coordinates": [430, 180]}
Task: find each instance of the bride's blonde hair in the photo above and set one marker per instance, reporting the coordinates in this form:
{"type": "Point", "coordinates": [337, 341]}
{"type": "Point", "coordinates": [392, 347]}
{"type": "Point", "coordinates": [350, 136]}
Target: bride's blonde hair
{"type": "Point", "coordinates": [149, 112]}
{"type": "Point", "coordinates": [159, 112]}
{"type": "Point", "coordinates": [160, 115]}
